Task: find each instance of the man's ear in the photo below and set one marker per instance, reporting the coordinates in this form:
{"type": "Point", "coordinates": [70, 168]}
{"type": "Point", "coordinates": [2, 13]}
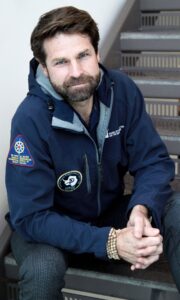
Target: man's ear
{"type": "Point", "coordinates": [44, 69]}
{"type": "Point", "coordinates": [98, 56]}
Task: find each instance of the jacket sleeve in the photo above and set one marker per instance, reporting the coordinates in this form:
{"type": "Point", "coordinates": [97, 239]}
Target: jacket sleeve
{"type": "Point", "coordinates": [30, 189]}
{"type": "Point", "coordinates": [149, 161]}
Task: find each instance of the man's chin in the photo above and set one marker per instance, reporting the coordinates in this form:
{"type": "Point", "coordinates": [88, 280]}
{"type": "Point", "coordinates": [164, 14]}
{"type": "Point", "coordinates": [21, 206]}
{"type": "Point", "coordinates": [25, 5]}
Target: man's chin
{"type": "Point", "coordinates": [78, 95]}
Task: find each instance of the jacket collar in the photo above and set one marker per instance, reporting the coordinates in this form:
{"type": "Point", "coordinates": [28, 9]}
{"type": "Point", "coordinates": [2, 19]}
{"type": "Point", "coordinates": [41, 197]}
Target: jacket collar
{"type": "Point", "coordinates": [63, 115]}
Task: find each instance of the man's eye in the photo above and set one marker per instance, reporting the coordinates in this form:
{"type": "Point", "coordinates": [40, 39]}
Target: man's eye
{"type": "Point", "coordinates": [61, 62]}
{"type": "Point", "coordinates": [83, 55]}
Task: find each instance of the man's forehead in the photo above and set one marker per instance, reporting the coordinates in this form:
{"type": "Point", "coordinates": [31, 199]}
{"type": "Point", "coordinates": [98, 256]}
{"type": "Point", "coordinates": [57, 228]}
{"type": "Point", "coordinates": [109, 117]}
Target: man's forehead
{"type": "Point", "coordinates": [64, 45]}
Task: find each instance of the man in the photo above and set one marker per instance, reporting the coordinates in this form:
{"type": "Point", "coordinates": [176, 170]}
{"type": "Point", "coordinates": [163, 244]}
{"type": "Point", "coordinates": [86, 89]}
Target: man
{"type": "Point", "coordinates": [76, 134]}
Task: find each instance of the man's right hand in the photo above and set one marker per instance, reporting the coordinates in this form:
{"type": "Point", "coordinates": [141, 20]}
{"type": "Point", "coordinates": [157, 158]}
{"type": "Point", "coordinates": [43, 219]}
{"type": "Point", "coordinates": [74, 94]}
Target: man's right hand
{"type": "Point", "coordinates": [139, 252]}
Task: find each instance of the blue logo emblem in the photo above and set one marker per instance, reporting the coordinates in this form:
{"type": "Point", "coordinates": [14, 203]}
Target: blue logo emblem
{"type": "Point", "coordinates": [19, 153]}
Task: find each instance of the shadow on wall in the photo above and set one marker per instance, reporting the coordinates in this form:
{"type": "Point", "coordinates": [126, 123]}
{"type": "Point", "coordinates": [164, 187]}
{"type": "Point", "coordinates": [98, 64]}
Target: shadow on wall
{"type": "Point", "coordinates": [110, 48]}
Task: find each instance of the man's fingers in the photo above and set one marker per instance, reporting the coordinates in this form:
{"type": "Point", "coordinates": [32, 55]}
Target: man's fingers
{"type": "Point", "coordinates": [138, 229]}
{"type": "Point", "coordinates": [146, 242]}
{"type": "Point", "coordinates": [144, 262]}
{"type": "Point", "coordinates": [142, 228]}
{"type": "Point", "coordinates": [139, 252]}
{"type": "Point", "coordinates": [151, 231]}
{"type": "Point", "coordinates": [153, 250]}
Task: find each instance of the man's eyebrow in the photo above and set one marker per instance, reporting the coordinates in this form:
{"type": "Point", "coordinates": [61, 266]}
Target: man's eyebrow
{"type": "Point", "coordinates": [84, 51]}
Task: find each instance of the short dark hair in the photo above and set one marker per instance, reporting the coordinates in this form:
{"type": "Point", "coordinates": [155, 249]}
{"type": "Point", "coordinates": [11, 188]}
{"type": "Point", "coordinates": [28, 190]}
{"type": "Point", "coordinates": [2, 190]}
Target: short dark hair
{"type": "Point", "coordinates": [68, 20]}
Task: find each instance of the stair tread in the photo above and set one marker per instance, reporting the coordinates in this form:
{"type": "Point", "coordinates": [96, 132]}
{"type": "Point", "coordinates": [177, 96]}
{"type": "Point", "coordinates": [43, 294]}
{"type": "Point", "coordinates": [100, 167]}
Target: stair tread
{"type": "Point", "coordinates": [156, 81]}
{"type": "Point", "coordinates": [169, 134]}
{"type": "Point", "coordinates": [165, 35]}
{"type": "Point", "coordinates": [149, 75]}
{"type": "Point", "coordinates": [147, 5]}
{"type": "Point", "coordinates": [167, 89]}
{"type": "Point", "coordinates": [150, 41]}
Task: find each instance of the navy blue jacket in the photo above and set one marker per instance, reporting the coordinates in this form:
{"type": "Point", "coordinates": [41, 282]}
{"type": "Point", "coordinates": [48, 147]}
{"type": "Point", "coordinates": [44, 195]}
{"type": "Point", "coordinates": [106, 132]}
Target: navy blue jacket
{"type": "Point", "coordinates": [59, 181]}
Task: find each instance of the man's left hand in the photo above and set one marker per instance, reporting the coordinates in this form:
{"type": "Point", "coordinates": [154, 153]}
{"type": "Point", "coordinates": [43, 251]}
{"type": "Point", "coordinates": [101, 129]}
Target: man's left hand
{"type": "Point", "coordinates": [141, 224]}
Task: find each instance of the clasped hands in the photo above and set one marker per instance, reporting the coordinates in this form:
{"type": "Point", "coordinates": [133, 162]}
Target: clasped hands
{"type": "Point", "coordinates": [139, 243]}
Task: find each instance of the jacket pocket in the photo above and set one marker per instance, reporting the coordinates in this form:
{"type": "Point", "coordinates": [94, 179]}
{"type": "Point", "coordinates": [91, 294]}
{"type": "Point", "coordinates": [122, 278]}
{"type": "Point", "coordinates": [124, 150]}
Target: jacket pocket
{"type": "Point", "coordinates": [87, 173]}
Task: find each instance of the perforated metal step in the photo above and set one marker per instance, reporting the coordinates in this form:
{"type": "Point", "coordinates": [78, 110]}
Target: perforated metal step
{"type": "Point", "coordinates": [160, 64]}
{"type": "Point", "coordinates": [166, 116]}
{"type": "Point", "coordinates": [163, 20]}
{"type": "Point", "coordinates": [69, 294]}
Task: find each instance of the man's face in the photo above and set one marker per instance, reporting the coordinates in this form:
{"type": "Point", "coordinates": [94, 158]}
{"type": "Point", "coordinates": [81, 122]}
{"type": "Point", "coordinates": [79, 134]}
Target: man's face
{"type": "Point", "coordinates": [72, 66]}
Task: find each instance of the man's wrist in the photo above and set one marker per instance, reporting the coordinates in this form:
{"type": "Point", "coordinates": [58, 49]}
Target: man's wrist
{"type": "Point", "coordinates": [112, 244]}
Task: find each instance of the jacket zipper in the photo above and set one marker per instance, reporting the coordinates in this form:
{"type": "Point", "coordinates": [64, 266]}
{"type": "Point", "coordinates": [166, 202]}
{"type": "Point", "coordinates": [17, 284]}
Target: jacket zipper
{"type": "Point", "coordinates": [99, 187]}
{"type": "Point", "coordinates": [98, 160]}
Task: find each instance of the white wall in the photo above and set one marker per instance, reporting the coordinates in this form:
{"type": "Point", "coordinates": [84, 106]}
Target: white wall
{"type": "Point", "coordinates": [17, 20]}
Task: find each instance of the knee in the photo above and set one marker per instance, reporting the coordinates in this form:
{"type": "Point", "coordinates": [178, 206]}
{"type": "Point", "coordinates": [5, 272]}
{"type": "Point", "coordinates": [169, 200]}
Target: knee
{"type": "Point", "coordinates": [171, 218]}
{"type": "Point", "coordinates": [171, 222]}
{"type": "Point", "coordinates": [45, 264]}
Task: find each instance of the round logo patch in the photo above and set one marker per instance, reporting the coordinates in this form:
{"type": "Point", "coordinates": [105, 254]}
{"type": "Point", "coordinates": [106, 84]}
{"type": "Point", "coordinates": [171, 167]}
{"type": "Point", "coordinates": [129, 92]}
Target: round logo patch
{"type": "Point", "coordinates": [70, 181]}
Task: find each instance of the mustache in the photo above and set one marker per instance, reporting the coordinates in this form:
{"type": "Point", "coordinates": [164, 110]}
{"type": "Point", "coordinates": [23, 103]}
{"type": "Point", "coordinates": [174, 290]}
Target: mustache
{"type": "Point", "coordinates": [75, 81]}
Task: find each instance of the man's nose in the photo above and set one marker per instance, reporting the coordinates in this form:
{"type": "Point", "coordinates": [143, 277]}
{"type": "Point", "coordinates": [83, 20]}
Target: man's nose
{"type": "Point", "coordinates": [75, 69]}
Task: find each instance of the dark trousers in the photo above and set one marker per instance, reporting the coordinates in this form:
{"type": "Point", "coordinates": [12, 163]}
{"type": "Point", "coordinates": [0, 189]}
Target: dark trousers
{"type": "Point", "coordinates": [41, 269]}
{"type": "Point", "coordinates": [172, 236]}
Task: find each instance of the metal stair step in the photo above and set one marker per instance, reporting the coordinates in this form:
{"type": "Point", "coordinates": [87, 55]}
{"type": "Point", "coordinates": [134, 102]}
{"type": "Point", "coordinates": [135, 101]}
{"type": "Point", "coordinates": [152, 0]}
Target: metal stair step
{"type": "Point", "coordinates": [150, 41]}
{"type": "Point", "coordinates": [163, 20]}
{"type": "Point", "coordinates": [152, 87]}
{"type": "Point", "coordinates": [173, 146]}
{"type": "Point", "coordinates": [156, 73]}
{"type": "Point", "coordinates": [165, 114]}
{"type": "Point", "coordinates": [161, 64]}
{"type": "Point", "coordinates": [172, 141]}
{"type": "Point", "coordinates": [153, 5]}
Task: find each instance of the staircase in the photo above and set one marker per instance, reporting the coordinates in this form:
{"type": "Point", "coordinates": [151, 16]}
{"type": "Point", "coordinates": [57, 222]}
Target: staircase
{"type": "Point", "coordinates": [150, 55]}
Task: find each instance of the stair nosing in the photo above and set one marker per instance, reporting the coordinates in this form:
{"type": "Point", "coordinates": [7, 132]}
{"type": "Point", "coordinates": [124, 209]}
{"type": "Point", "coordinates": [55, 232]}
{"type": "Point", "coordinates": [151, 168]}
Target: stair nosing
{"type": "Point", "coordinates": [149, 35]}
{"type": "Point", "coordinates": [157, 81]}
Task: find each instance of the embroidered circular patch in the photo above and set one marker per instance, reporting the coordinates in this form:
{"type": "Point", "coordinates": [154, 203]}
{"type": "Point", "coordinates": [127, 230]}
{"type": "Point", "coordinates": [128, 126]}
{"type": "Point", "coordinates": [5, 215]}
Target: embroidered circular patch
{"type": "Point", "coordinates": [19, 147]}
{"type": "Point", "coordinates": [70, 181]}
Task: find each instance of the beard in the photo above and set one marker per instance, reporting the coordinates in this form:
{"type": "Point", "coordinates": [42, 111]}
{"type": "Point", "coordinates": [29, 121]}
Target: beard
{"type": "Point", "coordinates": [72, 92]}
